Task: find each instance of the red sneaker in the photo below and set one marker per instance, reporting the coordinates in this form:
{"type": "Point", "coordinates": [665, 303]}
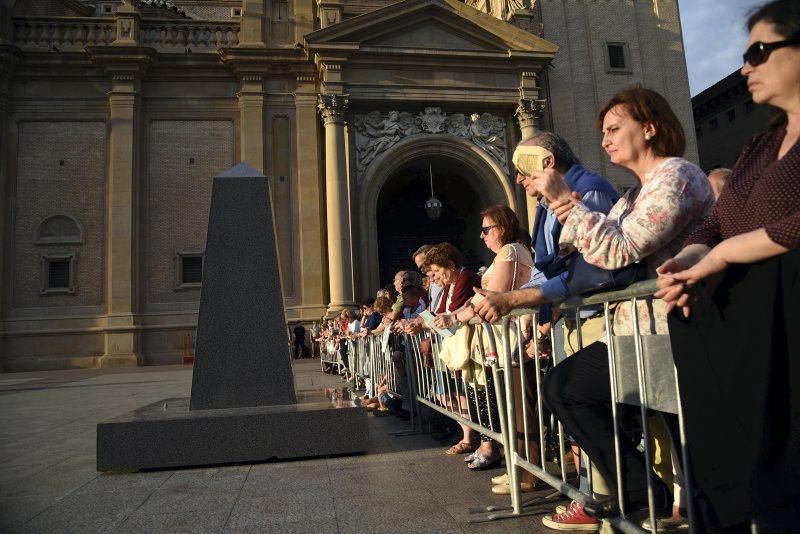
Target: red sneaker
{"type": "Point", "coordinates": [573, 518]}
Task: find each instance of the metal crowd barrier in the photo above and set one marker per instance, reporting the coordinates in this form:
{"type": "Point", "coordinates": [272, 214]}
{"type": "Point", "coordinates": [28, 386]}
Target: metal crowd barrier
{"type": "Point", "coordinates": [329, 355]}
{"type": "Point", "coordinates": [642, 374]}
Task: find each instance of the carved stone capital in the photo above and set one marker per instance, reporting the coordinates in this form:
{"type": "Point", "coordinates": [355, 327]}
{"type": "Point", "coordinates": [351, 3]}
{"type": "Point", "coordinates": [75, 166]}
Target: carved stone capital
{"type": "Point", "coordinates": [529, 113]}
{"type": "Point", "coordinates": [333, 108]}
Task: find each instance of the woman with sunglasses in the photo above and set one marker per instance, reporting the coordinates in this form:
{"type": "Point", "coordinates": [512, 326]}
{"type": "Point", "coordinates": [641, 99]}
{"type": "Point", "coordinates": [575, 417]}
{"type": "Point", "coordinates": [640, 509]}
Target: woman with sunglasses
{"type": "Point", "coordinates": [735, 288]}
{"type": "Point", "coordinates": [511, 268]}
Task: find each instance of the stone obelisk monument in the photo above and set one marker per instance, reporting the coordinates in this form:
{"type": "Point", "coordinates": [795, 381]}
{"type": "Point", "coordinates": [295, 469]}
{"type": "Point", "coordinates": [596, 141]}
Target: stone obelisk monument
{"type": "Point", "coordinates": [243, 405]}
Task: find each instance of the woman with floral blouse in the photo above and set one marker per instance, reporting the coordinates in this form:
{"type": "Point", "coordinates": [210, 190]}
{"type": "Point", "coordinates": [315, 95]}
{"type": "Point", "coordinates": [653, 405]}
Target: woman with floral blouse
{"type": "Point", "coordinates": [642, 135]}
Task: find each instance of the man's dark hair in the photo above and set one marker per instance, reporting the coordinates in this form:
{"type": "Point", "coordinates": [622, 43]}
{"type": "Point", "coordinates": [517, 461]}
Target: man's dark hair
{"type": "Point", "coordinates": [368, 302]}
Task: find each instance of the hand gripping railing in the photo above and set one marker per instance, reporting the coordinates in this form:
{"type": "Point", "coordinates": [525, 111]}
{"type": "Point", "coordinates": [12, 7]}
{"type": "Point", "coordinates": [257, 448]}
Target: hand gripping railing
{"type": "Point", "coordinates": [641, 373]}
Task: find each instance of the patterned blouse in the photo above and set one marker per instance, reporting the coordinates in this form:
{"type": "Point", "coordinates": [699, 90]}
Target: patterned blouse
{"type": "Point", "coordinates": [762, 192]}
{"type": "Point", "coordinates": [651, 221]}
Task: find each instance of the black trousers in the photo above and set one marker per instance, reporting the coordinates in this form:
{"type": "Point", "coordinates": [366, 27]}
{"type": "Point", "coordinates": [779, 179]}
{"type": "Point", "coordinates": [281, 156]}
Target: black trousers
{"type": "Point", "coordinates": [578, 393]}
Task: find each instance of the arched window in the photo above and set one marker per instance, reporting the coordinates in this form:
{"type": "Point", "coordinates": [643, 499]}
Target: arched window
{"type": "Point", "coordinates": [59, 230]}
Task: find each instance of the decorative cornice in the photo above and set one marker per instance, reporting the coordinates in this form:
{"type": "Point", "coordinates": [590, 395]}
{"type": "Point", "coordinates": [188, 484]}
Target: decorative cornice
{"type": "Point", "coordinates": [123, 63]}
{"type": "Point", "coordinates": [333, 108]}
{"type": "Point", "coordinates": [264, 61]}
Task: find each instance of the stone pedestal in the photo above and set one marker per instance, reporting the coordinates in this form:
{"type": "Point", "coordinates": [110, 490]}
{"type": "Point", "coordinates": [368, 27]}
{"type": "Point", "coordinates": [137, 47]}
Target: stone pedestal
{"type": "Point", "coordinates": [243, 405]}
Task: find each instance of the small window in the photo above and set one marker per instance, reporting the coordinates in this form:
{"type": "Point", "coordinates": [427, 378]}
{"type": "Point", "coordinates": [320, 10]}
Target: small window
{"type": "Point", "coordinates": [106, 9]}
{"type": "Point", "coordinates": [59, 230]}
{"type": "Point", "coordinates": [58, 274]}
{"type": "Point", "coordinates": [698, 132]}
{"type": "Point", "coordinates": [189, 269]}
{"type": "Point", "coordinates": [749, 106]}
{"type": "Point", "coordinates": [617, 58]}
{"type": "Point", "coordinates": [730, 115]}
{"type": "Point", "coordinates": [714, 124]}
{"type": "Point", "coordinates": [236, 12]}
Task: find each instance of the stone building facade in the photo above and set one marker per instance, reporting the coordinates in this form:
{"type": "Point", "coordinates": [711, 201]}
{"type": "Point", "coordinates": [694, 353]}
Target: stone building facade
{"type": "Point", "coordinates": [116, 115]}
{"type": "Point", "coordinates": [725, 118]}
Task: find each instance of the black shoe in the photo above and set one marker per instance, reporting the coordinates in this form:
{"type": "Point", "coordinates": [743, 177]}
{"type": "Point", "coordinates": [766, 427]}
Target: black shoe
{"type": "Point", "coordinates": [607, 507]}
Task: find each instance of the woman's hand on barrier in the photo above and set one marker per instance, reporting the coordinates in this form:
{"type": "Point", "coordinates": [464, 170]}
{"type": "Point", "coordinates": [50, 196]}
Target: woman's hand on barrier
{"type": "Point", "coordinates": [414, 326]}
{"type": "Point", "coordinates": [445, 320]}
{"type": "Point", "coordinates": [493, 306]}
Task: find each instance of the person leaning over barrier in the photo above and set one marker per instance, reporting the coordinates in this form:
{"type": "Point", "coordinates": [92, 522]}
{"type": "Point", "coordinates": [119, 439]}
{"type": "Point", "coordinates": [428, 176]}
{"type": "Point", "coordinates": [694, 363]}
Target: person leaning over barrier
{"type": "Point", "coordinates": [434, 290]}
{"type": "Point", "coordinates": [642, 135]}
{"type": "Point", "coordinates": [552, 284]}
{"type": "Point", "coordinates": [510, 269]}
{"type": "Point", "coordinates": [735, 331]}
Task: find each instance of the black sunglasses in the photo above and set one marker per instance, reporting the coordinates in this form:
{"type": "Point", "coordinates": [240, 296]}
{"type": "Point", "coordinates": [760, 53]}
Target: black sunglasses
{"type": "Point", "coordinates": [759, 52]}
{"type": "Point", "coordinates": [485, 229]}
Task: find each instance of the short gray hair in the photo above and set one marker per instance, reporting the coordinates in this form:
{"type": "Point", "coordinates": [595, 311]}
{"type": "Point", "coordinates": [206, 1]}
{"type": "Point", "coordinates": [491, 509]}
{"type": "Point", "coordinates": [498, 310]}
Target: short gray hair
{"type": "Point", "coordinates": [565, 157]}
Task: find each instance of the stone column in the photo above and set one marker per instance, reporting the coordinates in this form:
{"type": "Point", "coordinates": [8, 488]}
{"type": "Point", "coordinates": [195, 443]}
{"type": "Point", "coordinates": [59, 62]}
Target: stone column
{"type": "Point", "coordinates": [309, 195]}
{"type": "Point", "coordinates": [340, 255]}
{"type": "Point", "coordinates": [251, 34]}
{"type": "Point", "coordinates": [529, 114]}
{"type": "Point", "coordinates": [122, 339]}
{"type": "Point", "coordinates": [251, 121]}
{"type": "Point", "coordinates": [9, 57]}
{"type": "Point", "coordinates": [126, 64]}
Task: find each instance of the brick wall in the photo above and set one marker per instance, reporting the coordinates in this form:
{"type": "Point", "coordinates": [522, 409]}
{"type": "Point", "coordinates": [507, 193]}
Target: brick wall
{"type": "Point", "coordinates": [580, 84]}
{"type": "Point", "coordinates": [60, 171]}
{"type": "Point", "coordinates": [179, 196]}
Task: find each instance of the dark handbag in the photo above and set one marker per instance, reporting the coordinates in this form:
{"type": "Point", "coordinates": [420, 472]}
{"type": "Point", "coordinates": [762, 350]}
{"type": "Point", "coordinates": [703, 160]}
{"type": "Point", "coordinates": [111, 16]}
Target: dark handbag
{"type": "Point", "coordinates": [583, 277]}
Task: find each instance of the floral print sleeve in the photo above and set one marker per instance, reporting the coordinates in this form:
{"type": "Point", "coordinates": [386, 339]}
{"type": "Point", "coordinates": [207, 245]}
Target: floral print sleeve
{"type": "Point", "coordinates": [646, 221]}
{"type": "Point", "coordinates": [650, 222]}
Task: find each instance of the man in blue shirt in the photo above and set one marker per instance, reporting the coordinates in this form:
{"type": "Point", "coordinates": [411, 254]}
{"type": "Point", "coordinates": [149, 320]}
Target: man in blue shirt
{"type": "Point", "coordinates": [549, 282]}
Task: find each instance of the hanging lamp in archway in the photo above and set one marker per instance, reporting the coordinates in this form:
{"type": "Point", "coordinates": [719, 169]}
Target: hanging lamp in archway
{"type": "Point", "coordinates": [433, 206]}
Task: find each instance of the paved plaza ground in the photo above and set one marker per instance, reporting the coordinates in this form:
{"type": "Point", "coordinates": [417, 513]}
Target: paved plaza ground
{"type": "Point", "coordinates": [48, 480]}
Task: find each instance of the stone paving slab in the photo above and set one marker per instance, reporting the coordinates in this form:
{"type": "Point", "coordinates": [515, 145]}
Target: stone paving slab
{"type": "Point", "coordinates": [48, 480]}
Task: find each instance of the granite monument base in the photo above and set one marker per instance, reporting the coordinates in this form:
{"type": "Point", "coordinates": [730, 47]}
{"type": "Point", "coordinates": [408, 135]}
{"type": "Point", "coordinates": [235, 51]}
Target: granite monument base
{"type": "Point", "coordinates": [168, 434]}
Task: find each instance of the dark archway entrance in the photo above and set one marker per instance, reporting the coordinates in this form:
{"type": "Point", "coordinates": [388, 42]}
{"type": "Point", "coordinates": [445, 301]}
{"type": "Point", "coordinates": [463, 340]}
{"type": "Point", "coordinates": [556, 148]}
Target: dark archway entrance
{"type": "Point", "coordinates": [403, 224]}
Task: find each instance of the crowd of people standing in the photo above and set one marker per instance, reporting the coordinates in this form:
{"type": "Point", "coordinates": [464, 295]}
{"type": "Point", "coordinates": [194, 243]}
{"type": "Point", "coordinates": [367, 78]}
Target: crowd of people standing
{"type": "Point", "coordinates": [724, 249]}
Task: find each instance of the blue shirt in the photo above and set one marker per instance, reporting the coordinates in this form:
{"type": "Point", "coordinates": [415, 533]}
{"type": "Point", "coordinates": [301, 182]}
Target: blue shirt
{"type": "Point", "coordinates": [554, 289]}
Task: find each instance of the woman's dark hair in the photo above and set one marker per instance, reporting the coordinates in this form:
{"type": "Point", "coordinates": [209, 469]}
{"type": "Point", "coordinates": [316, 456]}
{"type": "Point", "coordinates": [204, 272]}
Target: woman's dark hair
{"type": "Point", "coordinates": [444, 255]}
{"type": "Point", "coordinates": [646, 106]}
{"type": "Point", "coordinates": [785, 16]}
{"type": "Point", "coordinates": [511, 230]}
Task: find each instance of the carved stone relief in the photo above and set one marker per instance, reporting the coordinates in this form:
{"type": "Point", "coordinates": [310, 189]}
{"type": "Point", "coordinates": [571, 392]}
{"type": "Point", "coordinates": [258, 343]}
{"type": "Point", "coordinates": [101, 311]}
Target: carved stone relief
{"type": "Point", "coordinates": [501, 9]}
{"type": "Point", "coordinates": [375, 133]}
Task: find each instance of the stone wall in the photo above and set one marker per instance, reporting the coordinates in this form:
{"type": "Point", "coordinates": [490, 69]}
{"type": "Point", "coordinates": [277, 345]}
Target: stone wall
{"type": "Point", "coordinates": [61, 168]}
{"type": "Point", "coordinates": [581, 82]}
{"type": "Point", "coordinates": [183, 157]}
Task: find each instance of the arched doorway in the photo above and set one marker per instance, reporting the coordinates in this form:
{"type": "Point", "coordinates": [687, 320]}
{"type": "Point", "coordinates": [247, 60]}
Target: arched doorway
{"type": "Point", "coordinates": [403, 224]}
{"type": "Point", "coordinates": [471, 179]}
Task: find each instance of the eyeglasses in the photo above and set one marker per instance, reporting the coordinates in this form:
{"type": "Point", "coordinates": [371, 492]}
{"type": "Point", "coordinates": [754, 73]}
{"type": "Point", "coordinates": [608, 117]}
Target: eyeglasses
{"type": "Point", "coordinates": [485, 229]}
{"type": "Point", "coordinates": [759, 52]}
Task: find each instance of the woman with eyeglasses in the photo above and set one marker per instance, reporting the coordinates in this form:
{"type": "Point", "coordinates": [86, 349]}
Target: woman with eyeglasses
{"type": "Point", "coordinates": [511, 268]}
{"type": "Point", "coordinates": [735, 291]}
